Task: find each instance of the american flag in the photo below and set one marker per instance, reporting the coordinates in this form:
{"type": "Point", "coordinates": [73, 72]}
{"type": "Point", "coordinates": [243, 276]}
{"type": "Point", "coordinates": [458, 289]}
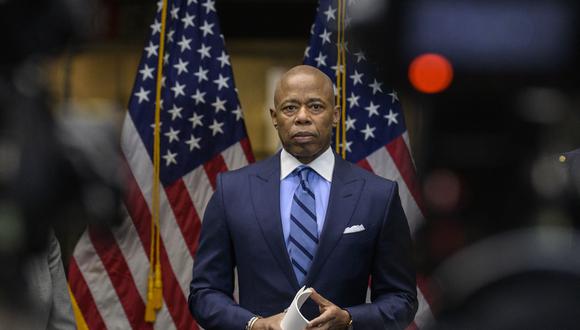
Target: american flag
{"type": "Point", "coordinates": [376, 135]}
{"type": "Point", "coordinates": [202, 133]}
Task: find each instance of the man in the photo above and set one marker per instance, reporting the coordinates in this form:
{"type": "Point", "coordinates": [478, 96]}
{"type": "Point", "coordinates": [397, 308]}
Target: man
{"type": "Point", "coordinates": [304, 217]}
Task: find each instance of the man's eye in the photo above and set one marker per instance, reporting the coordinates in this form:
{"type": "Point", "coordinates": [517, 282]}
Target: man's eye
{"type": "Point", "coordinates": [316, 107]}
{"type": "Point", "coordinates": [289, 109]}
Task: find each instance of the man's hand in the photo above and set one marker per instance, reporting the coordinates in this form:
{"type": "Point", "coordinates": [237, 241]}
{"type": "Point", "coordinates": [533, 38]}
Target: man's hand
{"type": "Point", "coordinates": [331, 316]}
{"type": "Point", "coordinates": [269, 323]}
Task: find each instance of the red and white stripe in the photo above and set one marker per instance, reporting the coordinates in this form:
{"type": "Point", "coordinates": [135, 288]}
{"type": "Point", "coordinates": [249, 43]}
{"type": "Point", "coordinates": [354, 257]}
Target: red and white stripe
{"type": "Point", "coordinates": [109, 268]}
{"type": "Point", "coordinates": [394, 162]}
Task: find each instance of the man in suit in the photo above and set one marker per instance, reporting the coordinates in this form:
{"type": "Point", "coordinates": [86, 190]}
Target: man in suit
{"type": "Point", "coordinates": [304, 217]}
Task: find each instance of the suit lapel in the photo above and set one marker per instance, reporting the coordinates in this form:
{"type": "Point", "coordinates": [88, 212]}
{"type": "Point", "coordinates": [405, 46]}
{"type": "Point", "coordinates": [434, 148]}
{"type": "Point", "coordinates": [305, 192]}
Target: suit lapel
{"type": "Point", "coordinates": [344, 195]}
{"type": "Point", "coordinates": [265, 191]}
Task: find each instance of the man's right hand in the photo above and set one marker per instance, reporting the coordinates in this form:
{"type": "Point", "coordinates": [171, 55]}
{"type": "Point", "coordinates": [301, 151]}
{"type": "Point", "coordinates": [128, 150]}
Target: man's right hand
{"type": "Point", "coordinates": [269, 323]}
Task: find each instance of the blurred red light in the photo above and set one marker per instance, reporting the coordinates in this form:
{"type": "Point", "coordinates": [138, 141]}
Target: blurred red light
{"type": "Point", "coordinates": [430, 73]}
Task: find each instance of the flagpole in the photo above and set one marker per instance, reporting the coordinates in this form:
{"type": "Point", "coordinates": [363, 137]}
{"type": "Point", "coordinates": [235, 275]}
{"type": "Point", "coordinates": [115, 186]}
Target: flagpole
{"type": "Point", "coordinates": [155, 285]}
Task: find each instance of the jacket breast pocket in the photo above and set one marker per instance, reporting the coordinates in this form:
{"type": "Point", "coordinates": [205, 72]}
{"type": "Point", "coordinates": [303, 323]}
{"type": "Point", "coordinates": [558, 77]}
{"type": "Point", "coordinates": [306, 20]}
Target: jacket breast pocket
{"type": "Point", "coordinates": [354, 252]}
{"type": "Point", "coordinates": [362, 239]}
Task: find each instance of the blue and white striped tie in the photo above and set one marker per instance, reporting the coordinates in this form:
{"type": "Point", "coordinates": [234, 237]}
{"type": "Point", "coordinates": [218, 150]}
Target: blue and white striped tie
{"type": "Point", "coordinates": [303, 227]}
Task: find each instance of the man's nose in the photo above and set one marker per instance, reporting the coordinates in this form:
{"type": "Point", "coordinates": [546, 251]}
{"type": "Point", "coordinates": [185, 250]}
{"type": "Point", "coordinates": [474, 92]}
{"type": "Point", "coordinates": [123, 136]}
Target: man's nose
{"type": "Point", "coordinates": [303, 115]}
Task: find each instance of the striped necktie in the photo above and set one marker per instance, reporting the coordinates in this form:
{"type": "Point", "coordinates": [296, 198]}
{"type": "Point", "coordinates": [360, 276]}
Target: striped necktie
{"type": "Point", "coordinates": [303, 228]}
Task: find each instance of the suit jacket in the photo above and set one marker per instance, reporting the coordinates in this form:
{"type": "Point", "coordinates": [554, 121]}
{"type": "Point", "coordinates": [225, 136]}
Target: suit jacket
{"type": "Point", "coordinates": [242, 229]}
{"type": "Point", "coordinates": [52, 308]}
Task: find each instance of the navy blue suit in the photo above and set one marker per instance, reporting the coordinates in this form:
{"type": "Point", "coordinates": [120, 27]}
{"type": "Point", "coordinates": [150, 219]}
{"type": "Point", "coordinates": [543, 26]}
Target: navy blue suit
{"type": "Point", "coordinates": [242, 228]}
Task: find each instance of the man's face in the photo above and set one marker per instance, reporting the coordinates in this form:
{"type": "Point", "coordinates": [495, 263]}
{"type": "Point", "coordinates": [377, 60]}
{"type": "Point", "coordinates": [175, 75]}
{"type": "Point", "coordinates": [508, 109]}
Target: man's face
{"type": "Point", "coordinates": [304, 113]}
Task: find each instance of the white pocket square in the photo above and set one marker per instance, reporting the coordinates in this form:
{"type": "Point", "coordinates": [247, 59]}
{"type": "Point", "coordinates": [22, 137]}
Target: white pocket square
{"type": "Point", "coordinates": [354, 229]}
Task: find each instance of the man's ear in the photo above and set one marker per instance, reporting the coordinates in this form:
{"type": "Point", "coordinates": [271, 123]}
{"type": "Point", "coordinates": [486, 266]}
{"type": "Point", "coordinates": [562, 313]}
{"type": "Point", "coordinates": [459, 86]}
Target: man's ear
{"type": "Point", "coordinates": [273, 117]}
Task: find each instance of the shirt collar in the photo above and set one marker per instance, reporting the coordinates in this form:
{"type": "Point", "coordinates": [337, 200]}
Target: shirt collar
{"type": "Point", "coordinates": [323, 164]}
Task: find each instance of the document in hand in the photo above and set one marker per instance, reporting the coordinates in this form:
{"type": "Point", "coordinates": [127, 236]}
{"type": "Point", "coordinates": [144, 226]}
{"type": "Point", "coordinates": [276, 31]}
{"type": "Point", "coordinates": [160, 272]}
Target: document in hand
{"type": "Point", "coordinates": [293, 319]}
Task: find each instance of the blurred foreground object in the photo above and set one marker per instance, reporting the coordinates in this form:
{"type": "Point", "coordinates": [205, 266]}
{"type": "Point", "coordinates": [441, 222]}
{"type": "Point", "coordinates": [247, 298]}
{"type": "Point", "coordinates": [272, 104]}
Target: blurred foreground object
{"type": "Point", "coordinates": [52, 170]}
{"type": "Point", "coordinates": [31, 28]}
{"type": "Point", "coordinates": [528, 279]}
{"type": "Point", "coordinates": [571, 161]}
{"type": "Point", "coordinates": [492, 136]}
